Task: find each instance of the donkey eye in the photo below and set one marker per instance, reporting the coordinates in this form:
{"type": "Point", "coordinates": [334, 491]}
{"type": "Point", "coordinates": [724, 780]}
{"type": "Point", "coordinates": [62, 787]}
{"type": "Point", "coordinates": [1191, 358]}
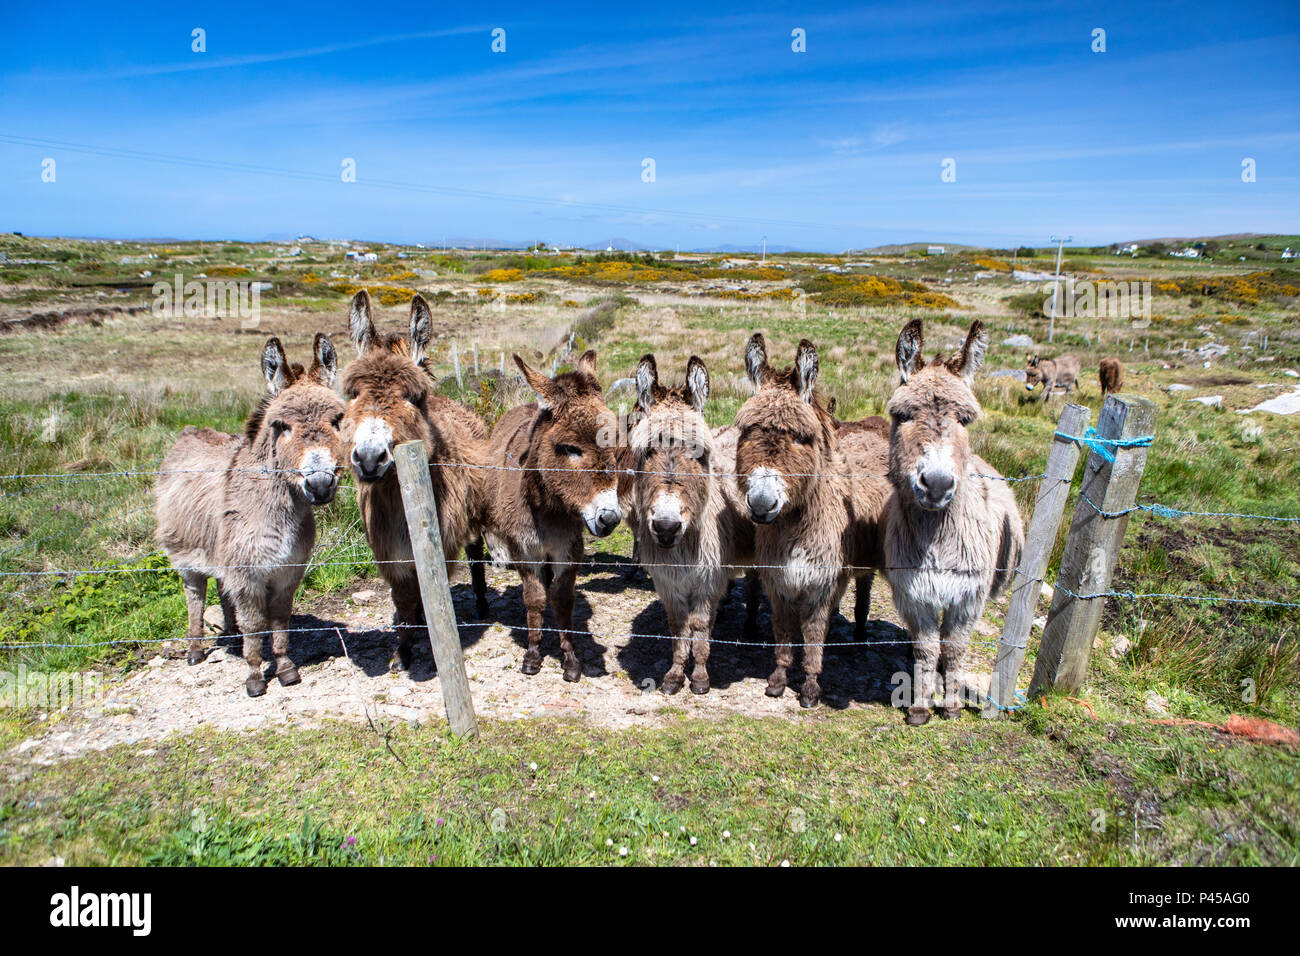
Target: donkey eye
{"type": "Point", "coordinates": [802, 440]}
{"type": "Point", "coordinates": [278, 428]}
{"type": "Point", "coordinates": [572, 451]}
{"type": "Point", "coordinates": [338, 420]}
{"type": "Point", "coordinates": [965, 418]}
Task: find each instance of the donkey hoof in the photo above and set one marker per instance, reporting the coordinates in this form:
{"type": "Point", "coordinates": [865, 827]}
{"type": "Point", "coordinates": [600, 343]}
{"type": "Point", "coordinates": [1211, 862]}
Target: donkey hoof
{"type": "Point", "coordinates": [950, 711]}
{"type": "Point", "coordinates": [809, 694]}
{"type": "Point", "coordinates": [288, 676]}
{"type": "Point", "coordinates": [673, 683]}
{"type": "Point", "coordinates": [195, 656]}
{"type": "Point", "coordinates": [255, 686]}
{"type": "Point", "coordinates": [774, 689]}
{"type": "Point", "coordinates": [916, 716]}
{"type": "Point", "coordinates": [699, 686]}
{"type": "Point", "coordinates": [532, 663]}
{"type": "Point", "coordinates": [572, 671]}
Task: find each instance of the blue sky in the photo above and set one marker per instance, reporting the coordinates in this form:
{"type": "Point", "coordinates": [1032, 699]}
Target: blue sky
{"type": "Point", "coordinates": [837, 147]}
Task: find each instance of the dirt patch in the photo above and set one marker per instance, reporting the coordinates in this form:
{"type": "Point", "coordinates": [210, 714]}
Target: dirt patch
{"type": "Point", "coordinates": [344, 652]}
{"type": "Point", "coordinates": [52, 320]}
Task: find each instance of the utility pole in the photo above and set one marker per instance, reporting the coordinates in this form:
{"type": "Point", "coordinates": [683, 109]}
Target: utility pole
{"type": "Point", "coordinates": [764, 250]}
{"type": "Point", "coordinates": [1056, 283]}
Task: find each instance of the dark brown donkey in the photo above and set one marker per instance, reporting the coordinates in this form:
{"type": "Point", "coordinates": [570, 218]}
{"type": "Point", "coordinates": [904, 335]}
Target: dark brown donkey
{"type": "Point", "coordinates": [391, 400]}
{"type": "Point", "coordinates": [818, 501]}
{"type": "Point", "coordinates": [239, 509]}
{"type": "Point", "coordinates": [556, 469]}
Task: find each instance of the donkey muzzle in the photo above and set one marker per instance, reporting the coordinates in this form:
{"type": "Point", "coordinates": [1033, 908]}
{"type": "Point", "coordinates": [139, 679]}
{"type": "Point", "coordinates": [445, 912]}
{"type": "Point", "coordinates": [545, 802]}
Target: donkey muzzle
{"type": "Point", "coordinates": [602, 515]}
{"type": "Point", "coordinates": [319, 486]}
{"type": "Point", "coordinates": [765, 495]}
{"type": "Point", "coordinates": [371, 463]}
{"type": "Point", "coordinates": [666, 529]}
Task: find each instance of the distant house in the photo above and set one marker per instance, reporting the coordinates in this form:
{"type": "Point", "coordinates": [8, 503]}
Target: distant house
{"type": "Point", "coordinates": [1289, 254]}
{"type": "Point", "coordinates": [1188, 253]}
{"type": "Point", "coordinates": [1131, 249]}
{"type": "Point", "coordinates": [935, 251]}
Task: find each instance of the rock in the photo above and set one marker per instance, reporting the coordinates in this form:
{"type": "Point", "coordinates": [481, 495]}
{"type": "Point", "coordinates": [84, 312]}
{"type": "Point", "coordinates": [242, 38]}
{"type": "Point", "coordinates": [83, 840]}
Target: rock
{"type": "Point", "coordinates": [1046, 591]}
{"type": "Point", "coordinates": [1209, 401]}
{"type": "Point", "coordinates": [214, 620]}
{"type": "Point", "coordinates": [362, 597]}
{"type": "Point", "coordinates": [1040, 622]}
{"type": "Point", "coordinates": [1120, 646]}
{"type": "Point", "coordinates": [1178, 388]}
{"type": "Point", "coordinates": [1155, 704]}
{"type": "Point", "coordinates": [1017, 373]}
{"type": "Point", "coordinates": [1018, 341]}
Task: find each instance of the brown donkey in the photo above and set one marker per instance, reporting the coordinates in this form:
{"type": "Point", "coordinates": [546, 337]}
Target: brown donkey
{"type": "Point", "coordinates": [391, 400]}
{"type": "Point", "coordinates": [555, 464]}
{"type": "Point", "coordinates": [692, 529]}
{"type": "Point", "coordinates": [239, 509]}
{"type": "Point", "coordinates": [954, 534]}
{"type": "Point", "coordinates": [1111, 374]}
{"type": "Point", "coordinates": [817, 501]}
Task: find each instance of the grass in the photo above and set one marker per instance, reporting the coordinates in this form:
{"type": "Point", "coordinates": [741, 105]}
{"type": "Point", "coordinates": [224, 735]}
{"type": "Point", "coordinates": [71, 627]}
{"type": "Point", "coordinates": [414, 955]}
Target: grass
{"type": "Point", "coordinates": [87, 398]}
{"type": "Point", "coordinates": [1052, 788]}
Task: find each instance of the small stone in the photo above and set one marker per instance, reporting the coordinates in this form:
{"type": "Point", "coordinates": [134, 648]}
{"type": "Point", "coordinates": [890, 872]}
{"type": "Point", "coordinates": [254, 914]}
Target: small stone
{"type": "Point", "coordinates": [1047, 591]}
{"type": "Point", "coordinates": [1018, 342]}
{"type": "Point", "coordinates": [1209, 401]}
{"type": "Point", "coordinates": [214, 620]}
{"type": "Point", "coordinates": [1040, 622]}
{"type": "Point", "coordinates": [1157, 705]}
{"type": "Point", "coordinates": [1178, 388]}
{"type": "Point", "coordinates": [362, 597]}
{"type": "Point", "coordinates": [1120, 646]}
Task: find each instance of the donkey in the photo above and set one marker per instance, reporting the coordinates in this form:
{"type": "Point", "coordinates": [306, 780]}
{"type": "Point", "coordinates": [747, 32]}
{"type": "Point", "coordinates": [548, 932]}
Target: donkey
{"type": "Point", "coordinates": [391, 400]}
{"type": "Point", "coordinates": [1111, 374]}
{"type": "Point", "coordinates": [818, 501]}
{"type": "Point", "coordinates": [953, 535]}
{"type": "Point", "coordinates": [1061, 372]}
{"type": "Point", "coordinates": [555, 467]}
{"type": "Point", "coordinates": [240, 509]}
{"type": "Point", "coordinates": [692, 528]}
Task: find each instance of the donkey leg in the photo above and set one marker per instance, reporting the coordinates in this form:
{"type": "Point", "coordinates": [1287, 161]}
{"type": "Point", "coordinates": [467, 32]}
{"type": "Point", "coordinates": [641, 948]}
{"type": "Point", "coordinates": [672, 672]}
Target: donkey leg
{"type": "Point", "coordinates": [677, 628]}
{"type": "Point", "coordinates": [410, 615]}
{"type": "Point", "coordinates": [562, 595]}
{"type": "Point", "coordinates": [196, 594]}
{"type": "Point", "coordinates": [814, 642]}
{"type": "Point", "coordinates": [925, 660]}
{"type": "Point", "coordinates": [285, 670]}
{"type": "Point", "coordinates": [478, 575]}
{"type": "Point", "coordinates": [955, 636]}
{"type": "Point", "coordinates": [784, 630]}
{"type": "Point", "coordinates": [862, 605]}
{"type": "Point", "coordinates": [255, 621]}
{"type": "Point", "coordinates": [230, 623]}
{"type": "Point", "coordinates": [700, 629]}
{"type": "Point", "coordinates": [535, 604]}
{"type": "Point", "coordinates": [753, 597]}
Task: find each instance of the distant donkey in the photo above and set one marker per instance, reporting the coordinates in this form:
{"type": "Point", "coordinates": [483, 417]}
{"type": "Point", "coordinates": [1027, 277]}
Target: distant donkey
{"type": "Point", "coordinates": [1062, 372]}
{"type": "Point", "coordinates": [391, 400]}
{"type": "Point", "coordinates": [692, 528]}
{"type": "Point", "coordinates": [1111, 374]}
{"type": "Point", "coordinates": [818, 501]}
{"type": "Point", "coordinates": [555, 464]}
{"type": "Point", "coordinates": [239, 509]}
{"type": "Point", "coordinates": [954, 535]}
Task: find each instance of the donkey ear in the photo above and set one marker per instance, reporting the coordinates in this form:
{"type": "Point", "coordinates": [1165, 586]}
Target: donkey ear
{"type": "Point", "coordinates": [275, 366]}
{"type": "Point", "coordinates": [973, 352]}
{"type": "Point", "coordinates": [697, 383]}
{"type": "Point", "coordinates": [647, 382]}
{"type": "Point", "coordinates": [756, 366]}
{"type": "Point", "coordinates": [908, 351]}
{"type": "Point", "coordinates": [587, 363]}
{"type": "Point", "coordinates": [547, 394]}
{"type": "Point", "coordinates": [421, 328]}
{"type": "Point", "coordinates": [324, 362]}
{"type": "Point", "coordinates": [806, 365]}
{"type": "Point", "coordinates": [360, 326]}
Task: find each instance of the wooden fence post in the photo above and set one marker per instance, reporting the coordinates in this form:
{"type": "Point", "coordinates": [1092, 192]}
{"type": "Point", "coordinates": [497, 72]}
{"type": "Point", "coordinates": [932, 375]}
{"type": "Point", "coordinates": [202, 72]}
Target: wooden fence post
{"type": "Point", "coordinates": [435, 592]}
{"type": "Point", "coordinates": [1049, 507]}
{"type": "Point", "coordinates": [1093, 545]}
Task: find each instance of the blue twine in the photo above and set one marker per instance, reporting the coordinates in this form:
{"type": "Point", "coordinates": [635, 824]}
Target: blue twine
{"type": "Point", "coordinates": [1165, 511]}
{"type": "Point", "coordinates": [1020, 702]}
{"type": "Point", "coordinates": [1097, 443]}
{"type": "Point", "coordinates": [1134, 596]}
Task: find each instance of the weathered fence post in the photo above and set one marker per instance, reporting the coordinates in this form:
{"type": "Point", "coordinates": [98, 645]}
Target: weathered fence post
{"type": "Point", "coordinates": [455, 361]}
{"type": "Point", "coordinates": [1049, 507]}
{"type": "Point", "coordinates": [435, 592]}
{"type": "Point", "coordinates": [1109, 488]}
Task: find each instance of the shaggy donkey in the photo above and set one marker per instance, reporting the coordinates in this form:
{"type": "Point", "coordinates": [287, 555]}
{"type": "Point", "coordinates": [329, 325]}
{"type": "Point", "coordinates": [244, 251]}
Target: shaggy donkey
{"type": "Point", "coordinates": [1062, 372]}
{"type": "Point", "coordinates": [817, 502]}
{"type": "Point", "coordinates": [1111, 374]}
{"type": "Point", "coordinates": [239, 509]}
{"type": "Point", "coordinates": [390, 401]}
{"type": "Point", "coordinates": [691, 526]}
{"type": "Point", "coordinates": [555, 472]}
{"type": "Point", "coordinates": [953, 535]}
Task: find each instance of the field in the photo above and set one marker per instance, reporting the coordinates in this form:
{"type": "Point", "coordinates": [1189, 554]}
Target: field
{"type": "Point", "coordinates": [355, 765]}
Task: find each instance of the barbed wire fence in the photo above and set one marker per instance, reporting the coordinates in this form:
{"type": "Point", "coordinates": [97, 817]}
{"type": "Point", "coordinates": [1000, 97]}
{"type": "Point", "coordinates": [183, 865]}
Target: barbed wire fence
{"type": "Point", "coordinates": [1105, 501]}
